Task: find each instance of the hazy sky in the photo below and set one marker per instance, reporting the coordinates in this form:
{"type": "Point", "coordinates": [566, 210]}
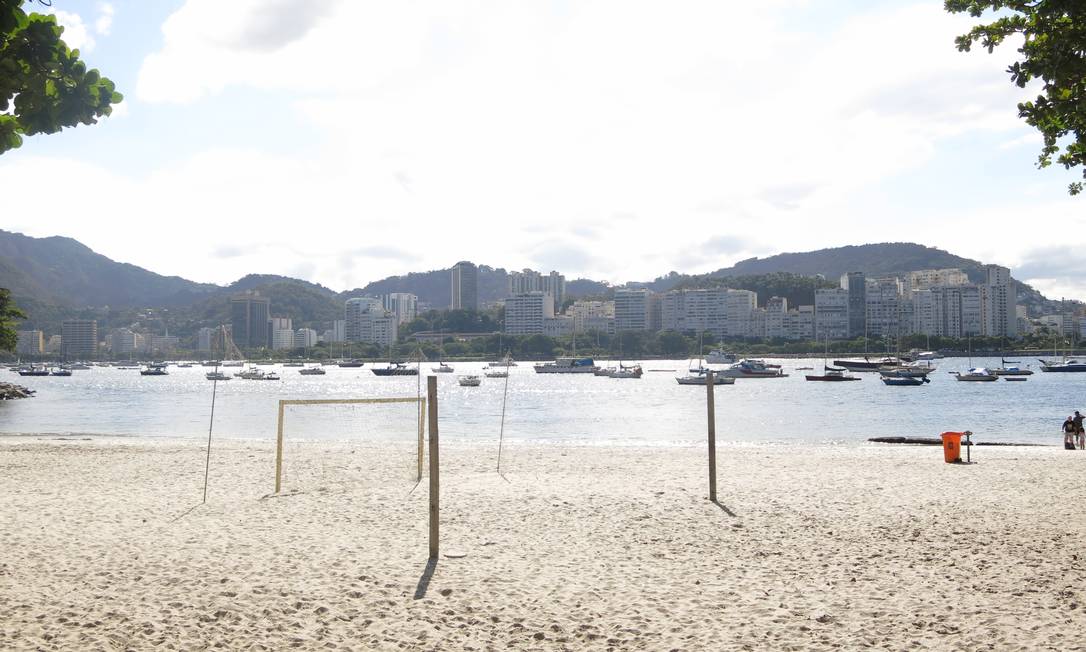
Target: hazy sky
{"type": "Point", "coordinates": [343, 141]}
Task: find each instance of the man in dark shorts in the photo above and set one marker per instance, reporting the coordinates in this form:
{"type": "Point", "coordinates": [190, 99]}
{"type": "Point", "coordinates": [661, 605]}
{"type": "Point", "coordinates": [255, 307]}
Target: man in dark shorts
{"type": "Point", "coordinates": [1080, 434]}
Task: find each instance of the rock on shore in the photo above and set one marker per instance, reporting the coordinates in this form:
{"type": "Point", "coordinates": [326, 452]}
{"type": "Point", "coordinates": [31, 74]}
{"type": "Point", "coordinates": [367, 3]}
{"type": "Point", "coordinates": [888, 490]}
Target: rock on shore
{"type": "Point", "coordinates": [9, 391]}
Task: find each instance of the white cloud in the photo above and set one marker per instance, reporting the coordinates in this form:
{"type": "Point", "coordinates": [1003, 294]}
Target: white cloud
{"type": "Point", "coordinates": [104, 22]}
{"type": "Point", "coordinates": [76, 33]}
{"type": "Point", "coordinates": [514, 134]}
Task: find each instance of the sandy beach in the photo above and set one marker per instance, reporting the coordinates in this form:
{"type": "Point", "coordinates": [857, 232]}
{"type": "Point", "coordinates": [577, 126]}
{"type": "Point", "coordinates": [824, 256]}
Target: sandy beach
{"type": "Point", "coordinates": [106, 546]}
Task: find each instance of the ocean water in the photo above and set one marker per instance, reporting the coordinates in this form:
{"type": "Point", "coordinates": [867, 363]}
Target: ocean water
{"type": "Point", "coordinates": [548, 407]}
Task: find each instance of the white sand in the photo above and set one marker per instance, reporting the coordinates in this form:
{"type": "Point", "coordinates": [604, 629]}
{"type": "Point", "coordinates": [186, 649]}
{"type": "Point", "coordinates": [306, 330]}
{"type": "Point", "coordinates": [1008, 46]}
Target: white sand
{"type": "Point", "coordinates": [584, 548]}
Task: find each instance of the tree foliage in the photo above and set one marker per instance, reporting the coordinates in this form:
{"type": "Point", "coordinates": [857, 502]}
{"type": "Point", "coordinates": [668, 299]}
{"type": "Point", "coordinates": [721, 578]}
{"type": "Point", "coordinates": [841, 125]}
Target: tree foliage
{"type": "Point", "coordinates": [1054, 51]}
{"type": "Point", "coordinates": [44, 86]}
{"type": "Point", "coordinates": [9, 314]}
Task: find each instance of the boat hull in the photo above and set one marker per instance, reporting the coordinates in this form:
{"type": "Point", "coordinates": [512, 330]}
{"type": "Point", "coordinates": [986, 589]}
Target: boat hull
{"type": "Point", "coordinates": [832, 379]}
{"type": "Point", "coordinates": [700, 380]}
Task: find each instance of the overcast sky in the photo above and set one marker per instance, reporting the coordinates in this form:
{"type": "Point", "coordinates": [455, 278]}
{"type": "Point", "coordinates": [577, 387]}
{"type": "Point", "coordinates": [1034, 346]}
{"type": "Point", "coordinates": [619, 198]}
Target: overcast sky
{"type": "Point", "coordinates": [343, 141]}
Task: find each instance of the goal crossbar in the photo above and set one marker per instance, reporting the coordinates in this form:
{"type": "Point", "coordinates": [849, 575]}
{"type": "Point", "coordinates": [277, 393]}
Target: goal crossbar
{"type": "Point", "coordinates": [283, 403]}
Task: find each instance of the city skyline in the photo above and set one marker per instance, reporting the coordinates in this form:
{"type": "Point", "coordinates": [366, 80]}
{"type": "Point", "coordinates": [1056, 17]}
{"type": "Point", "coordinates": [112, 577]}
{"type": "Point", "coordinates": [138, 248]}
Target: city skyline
{"type": "Point", "coordinates": [615, 163]}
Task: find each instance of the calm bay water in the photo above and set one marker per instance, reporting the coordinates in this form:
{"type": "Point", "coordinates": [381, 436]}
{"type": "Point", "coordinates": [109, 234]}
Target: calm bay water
{"type": "Point", "coordinates": [571, 408]}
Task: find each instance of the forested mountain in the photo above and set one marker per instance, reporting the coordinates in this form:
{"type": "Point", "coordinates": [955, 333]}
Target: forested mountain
{"type": "Point", "coordinates": [63, 271]}
{"type": "Point", "coordinates": [54, 278]}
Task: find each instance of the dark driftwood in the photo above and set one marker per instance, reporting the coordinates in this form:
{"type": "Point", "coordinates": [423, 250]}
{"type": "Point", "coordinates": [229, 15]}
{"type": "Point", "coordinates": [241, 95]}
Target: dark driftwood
{"type": "Point", "coordinates": [935, 441]}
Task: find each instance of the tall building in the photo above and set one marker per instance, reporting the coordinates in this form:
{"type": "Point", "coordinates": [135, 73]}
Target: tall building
{"type": "Point", "coordinates": [30, 342]}
{"type": "Point", "coordinates": [856, 285]}
{"type": "Point", "coordinates": [366, 320]}
{"type": "Point", "coordinates": [1001, 309]}
{"type": "Point", "coordinates": [956, 310]}
{"type": "Point", "coordinates": [926, 278]}
{"type": "Point", "coordinates": [776, 312]}
{"type": "Point", "coordinates": [403, 305]}
{"type": "Point", "coordinates": [831, 314]}
{"type": "Point", "coordinates": [592, 315]}
{"type": "Point", "coordinates": [740, 309]}
{"type": "Point", "coordinates": [121, 341]}
{"type": "Point", "coordinates": [882, 303]}
{"type": "Point", "coordinates": [632, 310]}
{"type": "Point", "coordinates": [526, 313]}
{"type": "Point", "coordinates": [249, 317]}
{"type": "Point", "coordinates": [305, 338]}
{"type": "Point", "coordinates": [465, 286]}
{"type": "Point", "coordinates": [79, 338]}
{"type": "Point", "coordinates": [695, 311]}
{"type": "Point", "coordinates": [529, 280]}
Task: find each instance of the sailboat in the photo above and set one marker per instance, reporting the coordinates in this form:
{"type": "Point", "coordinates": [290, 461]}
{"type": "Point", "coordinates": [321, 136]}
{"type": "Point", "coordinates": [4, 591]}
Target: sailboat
{"type": "Point", "coordinates": [831, 375]}
{"type": "Point", "coordinates": [395, 367]}
{"type": "Point", "coordinates": [507, 361]}
{"type": "Point", "coordinates": [570, 365]}
{"type": "Point", "coordinates": [441, 367]}
{"type": "Point", "coordinates": [699, 375]}
{"type": "Point", "coordinates": [975, 374]}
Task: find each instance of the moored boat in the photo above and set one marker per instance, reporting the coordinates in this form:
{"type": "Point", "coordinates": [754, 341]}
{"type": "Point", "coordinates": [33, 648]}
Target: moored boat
{"type": "Point", "coordinates": [833, 376]}
{"type": "Point", "coordinates": [469, 380]}
{"type": "Point", "coordinates": [976, 374]}
{"type": "Point", "coordinates": [395, 369]}
{"type": "Point", "coordinates": [752, 369]}
{"type": "Point", "coordinates": [905, 381]}
{"type": "Point", "coordinates": [312, 371]}
{"type": "Point", "coordinates": [567, 366]}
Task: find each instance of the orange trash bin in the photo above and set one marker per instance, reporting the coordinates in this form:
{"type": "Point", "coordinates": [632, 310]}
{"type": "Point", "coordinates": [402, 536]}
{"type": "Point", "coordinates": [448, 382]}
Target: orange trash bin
{"type": "Point", "coordinates": [952, 447]}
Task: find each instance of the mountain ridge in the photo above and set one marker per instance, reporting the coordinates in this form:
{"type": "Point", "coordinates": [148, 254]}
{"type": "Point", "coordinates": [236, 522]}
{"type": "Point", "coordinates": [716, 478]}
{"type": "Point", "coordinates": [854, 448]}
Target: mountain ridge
{"type": "Point", "coordinates": [67, 277]}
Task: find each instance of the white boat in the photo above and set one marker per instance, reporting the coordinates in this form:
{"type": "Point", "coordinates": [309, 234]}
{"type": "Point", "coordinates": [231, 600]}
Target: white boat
{"type": "Point", "coordinates": [567, 366]}
{"type": "Point", "coordinates": [442, 368]}
{"type": "Point", "coordinates": [633, 371]}
{"type": "Point", "coordinates": [216, 375]}
{"type": "Point", "coordinates": [716, 356]}
{"type": "Point", "coordinates": [752, 369]}
{"type": "Point", "coordinates": [976, 374]}
{"type": "Point", "coordinates": [312, 371]}
{"type": "Point", "coordinates": [469, 380]}
{"type": "Point", "coordinates": [701, 378]}
{"type": "Point", "coordinates": [507, 361]}
{"type": "Point", "coordinates": [497, 373]}
{"type": "Point", "coordinates": [271, 375]}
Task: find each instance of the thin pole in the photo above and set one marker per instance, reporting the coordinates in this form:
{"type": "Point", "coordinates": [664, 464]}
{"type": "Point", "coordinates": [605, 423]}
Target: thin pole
{"type": "Point", "coordinates": [207, 463]}
{"type": "Point", "coordinates": [435, 483]}
{"type": "Point", "coordinates": [279, 450]}
{"type": "Point", "coordinates": [501, 429]}
{"type": "Point", "coordinates": [709, 402]}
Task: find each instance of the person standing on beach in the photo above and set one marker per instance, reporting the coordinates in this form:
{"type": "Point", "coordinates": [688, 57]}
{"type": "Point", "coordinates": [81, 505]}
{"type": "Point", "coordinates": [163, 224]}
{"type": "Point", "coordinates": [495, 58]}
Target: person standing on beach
{"type": "Point", "coordinates": [1080, 434]}
{"type": "Point", "coordinates": [1069, 434]}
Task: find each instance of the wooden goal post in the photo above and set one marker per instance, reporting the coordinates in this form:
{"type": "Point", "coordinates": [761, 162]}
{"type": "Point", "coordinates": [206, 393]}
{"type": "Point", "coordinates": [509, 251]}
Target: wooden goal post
{"type": "Point", "coordinates": [346, 401]}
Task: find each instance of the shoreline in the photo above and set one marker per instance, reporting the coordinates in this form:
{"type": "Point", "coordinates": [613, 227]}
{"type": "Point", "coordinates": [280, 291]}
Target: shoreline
{"type": "Point", "coordinates": [813, 547]}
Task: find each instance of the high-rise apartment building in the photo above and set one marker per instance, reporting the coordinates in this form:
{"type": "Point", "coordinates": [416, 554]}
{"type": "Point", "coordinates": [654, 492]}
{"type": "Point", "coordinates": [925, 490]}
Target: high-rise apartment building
{"type": "Point", "coordinates": [79, 338]}
{"type": "Point", "coordinates": [529, 280]}
{"type": "Point", "coordinates": [856, 285]}
{"type": "Point", "coordinates": [121, 341]}
{"type": "Point", "coordinates": [926, 278]}
{"type": "Point", "coordinates": [1001, 309]}
{"type": "Point", "coordinates": [366, 320]}
{"type": "Point", "coordinates": [249, 319]}
{"type": "Point", "coordinates": [632, 310]}
{"type": "Point", "coordinates": [465, 286]}
{"type": "Point", "coordinates": [882, 302]}
{"type": "Point", "coordinates": [305, 338]}
{"type": "Point", "coordinates": [204, 337]}
{"type": "Point", "coordinates": [30, 342]}
{"type": "Point", "coordinates": [831, 314]}
{"type": "Point", "coordinates": [404, 305]}
{"type": "Point", "coordinates": [526, 313]}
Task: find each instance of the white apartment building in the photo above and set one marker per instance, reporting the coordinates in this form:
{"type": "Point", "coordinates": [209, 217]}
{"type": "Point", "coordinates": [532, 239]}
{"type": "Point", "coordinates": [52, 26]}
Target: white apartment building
{"type": "Point", "coordinates": [164, 343]}
{"type": "Point", "coordinates": [203, 338]}
{"type": "Point", "coordinates": [799, 324]}
{"type": "Point", "coordinates": [404, 305]}
{"type": "Point", "coordinates": [882, 300]}
{"type": "Point", "coordinates": [776, 309]}
{"type": "Point", "coordinates": [739, 309]}
{"type": "Point", "coordinates": [1001, 314]}
{"type": "Point", "coordinates": [927, 278]}
{"type": "Point", "coordinates": [694, 311]}
{"type": "Point", "coordinates": [958, 311]}
{"type": "Point", "coordinates": [529, 280]}
{"type": "Point", "coordinates": [591, 315]}
{"type": "Point", "coordinates": [632, 310]}
{"type": "Point", "coordinates": [305, 338]}
{"type": "Point", "coordinates": [282, 338]}
{"type": "Point", "coordinates": [366, 320]}
{"type": "Point", "coordinates": [559, 326]}
{"type": "Point", "coordinates": [831, 314]}
{"type": "Point", "coordinates": [525, 313]}
{"type": "Point", "coordinates": [30, 342]}
{"type": "Point", "coordinates": [121, 341]}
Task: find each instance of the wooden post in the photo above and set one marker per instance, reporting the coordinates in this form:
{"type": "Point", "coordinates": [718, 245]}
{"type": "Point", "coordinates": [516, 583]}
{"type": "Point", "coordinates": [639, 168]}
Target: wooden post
{"type": "Point", "coordinates": [435, 484]}
{"type": "Point", "coordinates": [279, 450]}
{"type": "Point", "coordinates": [709, 385]}
{"type": "Point", "coordinates": [422, 438]}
